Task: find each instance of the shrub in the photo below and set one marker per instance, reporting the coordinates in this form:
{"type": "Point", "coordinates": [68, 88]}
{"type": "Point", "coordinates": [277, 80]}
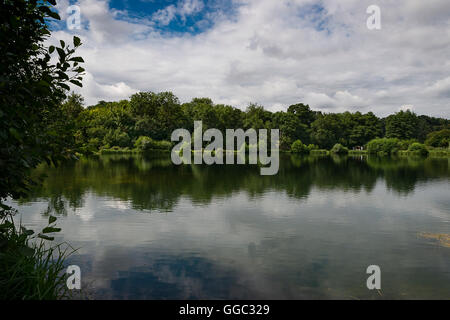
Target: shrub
{"type": "Point", "coordinates": [144, 143]}
{"type": "Point", "coordinates": [117, 138]}
{"type": "Point", "coordinates": [94, 143]}
{"type": "Point", "coordinates": [298, 147]}
{"type": "Point", "coordinates": [312, 147]}
{"type": "Point", "coordinates": [418, 149]}
{"type": "Point", "coordinates": [405, 144]}
{"type": "Point", "coordinates": [383, 146]}
{"type": "Point", "coordinates": [339, 149]}
{"type": "Point", "coordinates": [439, 139]}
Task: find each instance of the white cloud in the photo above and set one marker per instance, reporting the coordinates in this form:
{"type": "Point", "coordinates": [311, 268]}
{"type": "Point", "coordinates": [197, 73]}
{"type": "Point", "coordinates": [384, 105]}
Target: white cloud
{"type": "Point", "coordinates": [114, 91]}
{"type": "Point", "coordinates": [440, 88]}
{"type": "Point", "coordinates": [183, 9]}
{"type": "Point", "coordinates": [277, 53]}
{"type": "Point", "coordinates": [166, 15]}
{"type": "Point", "coordinates": [188, 7]}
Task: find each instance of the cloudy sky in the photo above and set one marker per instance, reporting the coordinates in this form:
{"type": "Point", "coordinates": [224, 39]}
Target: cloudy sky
{"type": "Point", "coordinates": [272, 52]}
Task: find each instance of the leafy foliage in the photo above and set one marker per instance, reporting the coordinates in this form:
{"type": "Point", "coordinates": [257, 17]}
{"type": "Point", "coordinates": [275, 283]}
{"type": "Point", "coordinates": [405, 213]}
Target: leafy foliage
{"type": "Point", "coordinates": [402, 125]}
{"type": "Point", "coordinates": [299, 147]}
{"type": "Point", "coordinates": [339, 149]}
{"type": "Point", "coordinates": [29, 269]}
{"type": "Point", "coordinates": [37, 124]}
{"type": "Point", "coordinates": [156, 115]}
{"type": "Point", "coordinates": [418, 149]}
{"type": "Point", "coordinates": [439, 139]}
{"type": "Point", "coordinates": [145, 144]}
{"type": "Point", "coordinates": [32, 121]}
{"type": "Point", "coordinates": [384, 146]}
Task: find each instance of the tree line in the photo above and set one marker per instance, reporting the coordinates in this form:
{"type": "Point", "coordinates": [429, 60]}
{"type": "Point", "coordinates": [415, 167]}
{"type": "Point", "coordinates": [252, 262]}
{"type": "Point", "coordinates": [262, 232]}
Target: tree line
{"type": "Point", "coordinates": [123, 124]}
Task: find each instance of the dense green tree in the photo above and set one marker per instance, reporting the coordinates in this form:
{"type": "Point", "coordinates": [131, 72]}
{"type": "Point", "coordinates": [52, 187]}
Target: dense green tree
{"type": "Point", "coordinates": [36, 125]}
{"type": "Point", "coordinates": [291, 129]}
{"type": "Point", "coordinates": [402, 125]}
{"type": "Point", "coordinates": [439, 139]}
{"type": "Point", "coordinates": [201, 109]}
{"type": "Point", "coordinates": [365, 128]}
{"type": "Point", "coordinates": [256, 117]}
{"type": "Point", "coordinates": [304, 113]}
{"type": "Point", "coordinates": [32, 89]}
{"type": "Point", "coordinates": [328, 130]}
{"type": "Point", "coordinates": [156, 115]}
{"type": "Point", "coordinates": [431, 124]}
{"type": "Point", "coordinates": [228, 117]}
{"type": "Point", "coordinates": [73, 105]}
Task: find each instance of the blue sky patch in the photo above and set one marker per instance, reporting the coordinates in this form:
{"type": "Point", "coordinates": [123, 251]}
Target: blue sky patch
{"type": "Point", "coordinates": [173, 17]}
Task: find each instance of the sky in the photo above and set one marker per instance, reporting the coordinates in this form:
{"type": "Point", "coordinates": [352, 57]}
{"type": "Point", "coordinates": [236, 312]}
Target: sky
{"type": "Point", "coordinates": [271, 52]}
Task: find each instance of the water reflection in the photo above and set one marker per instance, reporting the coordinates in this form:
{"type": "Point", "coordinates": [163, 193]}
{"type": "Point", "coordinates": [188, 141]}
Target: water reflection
{"type": "Point", "coordinates": [148, 229]}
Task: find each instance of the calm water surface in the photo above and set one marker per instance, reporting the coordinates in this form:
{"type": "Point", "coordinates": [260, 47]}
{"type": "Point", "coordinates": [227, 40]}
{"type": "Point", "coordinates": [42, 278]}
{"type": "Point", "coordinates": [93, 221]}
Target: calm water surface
{"type": "Point", "coordinates": [149, 229]}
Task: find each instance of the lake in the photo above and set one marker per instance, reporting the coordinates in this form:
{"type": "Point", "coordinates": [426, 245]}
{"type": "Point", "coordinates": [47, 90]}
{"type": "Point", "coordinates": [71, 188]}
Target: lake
{"type": "Point", "coordinates": [147, 229]}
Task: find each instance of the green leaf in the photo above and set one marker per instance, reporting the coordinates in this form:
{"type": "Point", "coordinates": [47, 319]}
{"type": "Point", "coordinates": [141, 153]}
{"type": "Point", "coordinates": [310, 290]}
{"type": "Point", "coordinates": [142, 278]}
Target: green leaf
{"type": "Point", "coordinates": [76, 41]}
{"type": "Point", "coordinates": [78, 83]}
{"type": "Point", "coordinates": [77, 59]}
{"type": "Point", "coordinates": [63, 44]}
{"type": "Point", "coordinates": [6, 225]}
{"type": "Point", "coordinates": [51, 49]}
{"type": "Point", "coordinates": [50, 230]}
{"type": "Point", "coordinates": [54, 15]}
{"type": "Point", "coordinates": [51, 219]}
{"type": "Point", "coordinates": [5, 207]}
{"type": "Point", "coordinates": [63, 85]}
{"type": "Point", "coordinates": [61, 53]}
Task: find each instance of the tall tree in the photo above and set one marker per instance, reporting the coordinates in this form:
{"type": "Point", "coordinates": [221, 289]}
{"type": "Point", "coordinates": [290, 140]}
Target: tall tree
{"type": "Point", "coordinates": [31, 91]}
{"type": "Point", "coordinates": [402, 125]}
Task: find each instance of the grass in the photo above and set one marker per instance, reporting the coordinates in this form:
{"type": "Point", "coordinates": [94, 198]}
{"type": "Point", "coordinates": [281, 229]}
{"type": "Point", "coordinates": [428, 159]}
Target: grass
{"type": "Point", "coordinates": [117, 150]}
{"type": "Point", "coordinates": [432, 152]}
{"type": "Point", "coordinates": [357, 152]}
{"type": "Point", "coordinates": [30, 269]}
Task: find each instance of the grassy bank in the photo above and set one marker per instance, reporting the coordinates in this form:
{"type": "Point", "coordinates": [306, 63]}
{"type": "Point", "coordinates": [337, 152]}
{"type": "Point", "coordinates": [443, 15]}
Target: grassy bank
{"type": "Point", "coordinates": [31, 268]}
{"type": "Point", "coordinates": [433, 152]}
{"type": "Point", "coordinates": [357, 152]}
